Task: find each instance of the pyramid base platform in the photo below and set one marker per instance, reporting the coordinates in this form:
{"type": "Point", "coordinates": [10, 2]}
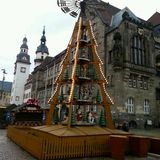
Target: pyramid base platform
{"type": "Point", "coordinates": [60, 142]}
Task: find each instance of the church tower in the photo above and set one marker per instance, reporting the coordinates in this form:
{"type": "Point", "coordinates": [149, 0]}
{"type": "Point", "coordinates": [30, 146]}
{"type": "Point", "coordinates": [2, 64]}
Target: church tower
{"type": "Point", "coordinates": [21, 73]}
{"type": "Point", "coordinates": [42, 51]}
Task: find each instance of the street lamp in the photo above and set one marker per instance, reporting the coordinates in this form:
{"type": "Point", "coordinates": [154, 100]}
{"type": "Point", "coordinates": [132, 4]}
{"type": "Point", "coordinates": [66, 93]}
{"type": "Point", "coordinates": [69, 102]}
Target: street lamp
{"type": "Point", "coordinates": [4, 72]}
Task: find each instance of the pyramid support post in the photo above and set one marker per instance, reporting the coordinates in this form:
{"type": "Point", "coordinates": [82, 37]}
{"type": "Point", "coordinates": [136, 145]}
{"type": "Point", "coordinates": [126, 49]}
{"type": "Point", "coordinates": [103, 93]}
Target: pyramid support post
{"type": "Point", "coordinates": [74, 73]}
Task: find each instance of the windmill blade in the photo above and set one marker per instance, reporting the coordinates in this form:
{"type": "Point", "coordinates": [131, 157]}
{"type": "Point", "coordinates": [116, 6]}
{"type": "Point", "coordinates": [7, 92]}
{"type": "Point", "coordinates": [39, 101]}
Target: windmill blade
{"type": "Point", "coordinates": [71, 7]}
{"type": "Point", "coordinates": [65, 9]}
{"type": "Point", "coordinates": [61, 3]}
{"type": "Point", "coordinates": [74, 14]}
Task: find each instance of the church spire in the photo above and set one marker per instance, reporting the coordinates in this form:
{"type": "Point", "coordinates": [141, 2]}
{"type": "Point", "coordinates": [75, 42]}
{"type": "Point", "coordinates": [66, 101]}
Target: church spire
{"type": "Point", "coordinates": [43, 38]}
{"type": "Point", "coordinates": [42, 50]}
{"type": "Point", "coordinates": [24, 46]}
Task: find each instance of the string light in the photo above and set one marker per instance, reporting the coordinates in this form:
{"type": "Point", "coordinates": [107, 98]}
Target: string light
{"type": "Point", "coordinates": [50, 99]}
{"type": "Point", "coordinates": [103, 74]}
{"type": "Point", "coordinates": [63, 62]}
{"type": "Point", "coordinates": [75, 61]}
{"type": "Point", "coordinates": [107, 94]}
{"type": "Point", "coordinates": [100, 64]}
{"type": "Point", "coordinates": [91, 30]}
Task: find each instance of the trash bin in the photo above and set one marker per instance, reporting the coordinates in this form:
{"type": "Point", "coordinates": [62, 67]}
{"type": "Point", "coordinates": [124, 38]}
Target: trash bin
{"type": "Point", "coordinates": [118, 146]}
{"type": "Point", "coordinates": [139, 145]}
{"type": "Point", "coordinates": [155, 145]}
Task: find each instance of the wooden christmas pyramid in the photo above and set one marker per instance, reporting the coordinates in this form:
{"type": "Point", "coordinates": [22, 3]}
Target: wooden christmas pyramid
{"type": "Point", "coordinates": [79, 122]}
{"type": "Point", "coordinates": [80, 97]}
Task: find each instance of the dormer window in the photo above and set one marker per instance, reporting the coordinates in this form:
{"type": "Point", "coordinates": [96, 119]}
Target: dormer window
{"type": "Point", "coordinates": [24, 58]}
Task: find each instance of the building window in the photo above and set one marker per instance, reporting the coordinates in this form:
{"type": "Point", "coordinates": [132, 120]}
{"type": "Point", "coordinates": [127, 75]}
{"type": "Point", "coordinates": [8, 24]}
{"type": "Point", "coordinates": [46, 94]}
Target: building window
{"type": "Point", "coordinates": [158, 94]}
{"type": "Point", "coordinates": [143, 83]}
{"type": "Point", "coordinates": [138, 54]}
{"type": "Point", "coordinates": [130, 105]}
{"type": "Point", "coordinates": [23, 69]}
{"type": "Point", "coordinates": [110, 58]}
{"type": "Point", "coordinates": [17, 98]}
{"type": "Point", "coordinates": [132, 82]}
{"type": "Point", "coordinates": [146, 106]}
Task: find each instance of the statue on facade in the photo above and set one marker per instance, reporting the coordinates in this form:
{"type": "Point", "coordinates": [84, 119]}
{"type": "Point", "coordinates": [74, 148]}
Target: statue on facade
{"type": "Point", "coordinates": [117, 51]}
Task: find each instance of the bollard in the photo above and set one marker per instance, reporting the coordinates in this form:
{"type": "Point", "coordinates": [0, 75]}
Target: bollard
{"type": "Point", "coordinates": [155, 145]}
{"type": "Point", "coordinates": [118, 146]}
{"type": "Point", "coordinates": [139, 145]}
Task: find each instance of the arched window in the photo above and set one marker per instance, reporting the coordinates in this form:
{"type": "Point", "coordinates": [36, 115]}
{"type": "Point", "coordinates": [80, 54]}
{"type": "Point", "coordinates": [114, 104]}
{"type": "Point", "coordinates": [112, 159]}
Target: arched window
{"type": "Point", "coordinates": [130, 105]}
{"type": "Point", "coordinates": [138, 53]}
{"type": "Point", "coordinates": [146, 106]}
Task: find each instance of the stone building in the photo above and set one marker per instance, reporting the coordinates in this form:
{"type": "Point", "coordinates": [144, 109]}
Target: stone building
{"type": "Point", "coordinates": [44, 73]}
{"type": "Point", "coordinates": [43, 78]}
{"type": "Point", "coordinates": [5, 93]}
{"type": "Point", "coordinates": [128, 48]}
{"type": "Point", "coordinates": [155, 20]}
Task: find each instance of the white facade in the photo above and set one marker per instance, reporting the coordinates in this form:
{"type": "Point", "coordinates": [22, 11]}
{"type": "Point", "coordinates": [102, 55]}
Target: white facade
{"type": "Point", "coordinates": [21, 73]}
{"type": "Point", "coordinates": [27, 95]}
{"type": "Point", "coordinates": [39, 58]}
{"type": "Point", "coordinates": [27, 89]}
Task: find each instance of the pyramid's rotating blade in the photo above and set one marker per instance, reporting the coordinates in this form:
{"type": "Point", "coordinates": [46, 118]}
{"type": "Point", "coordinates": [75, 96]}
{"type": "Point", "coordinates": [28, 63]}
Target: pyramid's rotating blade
{"type": "Point", "coordinates": [70, 6]}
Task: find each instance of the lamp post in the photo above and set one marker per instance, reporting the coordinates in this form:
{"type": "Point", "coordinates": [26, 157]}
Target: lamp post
{"type": "Point", "coordinates": [3, 79]}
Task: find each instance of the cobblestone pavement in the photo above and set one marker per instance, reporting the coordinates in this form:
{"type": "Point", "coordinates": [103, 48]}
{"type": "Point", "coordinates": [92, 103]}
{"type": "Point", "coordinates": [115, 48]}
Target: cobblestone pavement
{"type": "Point", "coordinates": [10, 151]}
{"type": "Point", "coordinates": [146, 132]}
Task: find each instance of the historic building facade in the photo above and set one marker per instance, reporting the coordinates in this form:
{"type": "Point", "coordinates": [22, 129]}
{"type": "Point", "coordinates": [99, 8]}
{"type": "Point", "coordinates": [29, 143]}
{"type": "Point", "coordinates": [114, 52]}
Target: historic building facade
{"type": "Point", "coordinates": [43, 78]}
{"type": "Point", "coordinates": [130, 50]}
{"type": "Point", "coordinates": [5, 93]}
{"type": "Point", "coordinates": [27, 89]}
{"type": "Point", "coordinates": [44, 73]}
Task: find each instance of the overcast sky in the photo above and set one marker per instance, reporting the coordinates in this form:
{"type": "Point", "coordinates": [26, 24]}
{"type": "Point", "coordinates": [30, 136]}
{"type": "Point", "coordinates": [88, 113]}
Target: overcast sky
{"type": "Point", "coordinates": [20, 18]}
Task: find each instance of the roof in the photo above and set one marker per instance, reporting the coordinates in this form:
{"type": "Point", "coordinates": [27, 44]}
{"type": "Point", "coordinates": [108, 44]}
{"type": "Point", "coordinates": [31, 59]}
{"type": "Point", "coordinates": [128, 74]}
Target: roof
{"type": "Point", "coordinates": [11, 107]}
{"type": "Point", "coordinates": [43, 65]}
{"type": "Point", "coordinates": [23, 58]}
{"type": "Point", "coordinates": [155, 19]}
{"type": "Point", "coordinates": [118, 17]}
{"type": "Point", "coordinates": [63, 131]}
{"type": "Point", "coordinates": [5, 86]}
{"type": "Point", "coordinates": [106, 12]}
{"type": "Point", "coordinates": [50, 61]}
{"type": "Point", "coordinates": [24, 45]}
{"type": "Point", "coordinates": [42, 47]}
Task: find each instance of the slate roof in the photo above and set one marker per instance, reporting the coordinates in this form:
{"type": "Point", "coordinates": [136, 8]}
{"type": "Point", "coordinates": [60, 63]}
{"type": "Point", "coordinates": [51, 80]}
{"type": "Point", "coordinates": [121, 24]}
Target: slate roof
{"type": "Point", "coordinates": [7, 86]}
{"type": "Point", "coordinates": [42, 47]}
{"type": "Point", "coordinates": [106, 12]}
{"type": "Point", "coordinates": [117, 18]}
{"type": "Point", "coordinates": [50, 61]}
{"type": "Point", "coordinates": [155, 19]}
{"type": "Point", "coordinates": [43, 65]}
{"type": "Point", "coordinates": [20, 58]}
